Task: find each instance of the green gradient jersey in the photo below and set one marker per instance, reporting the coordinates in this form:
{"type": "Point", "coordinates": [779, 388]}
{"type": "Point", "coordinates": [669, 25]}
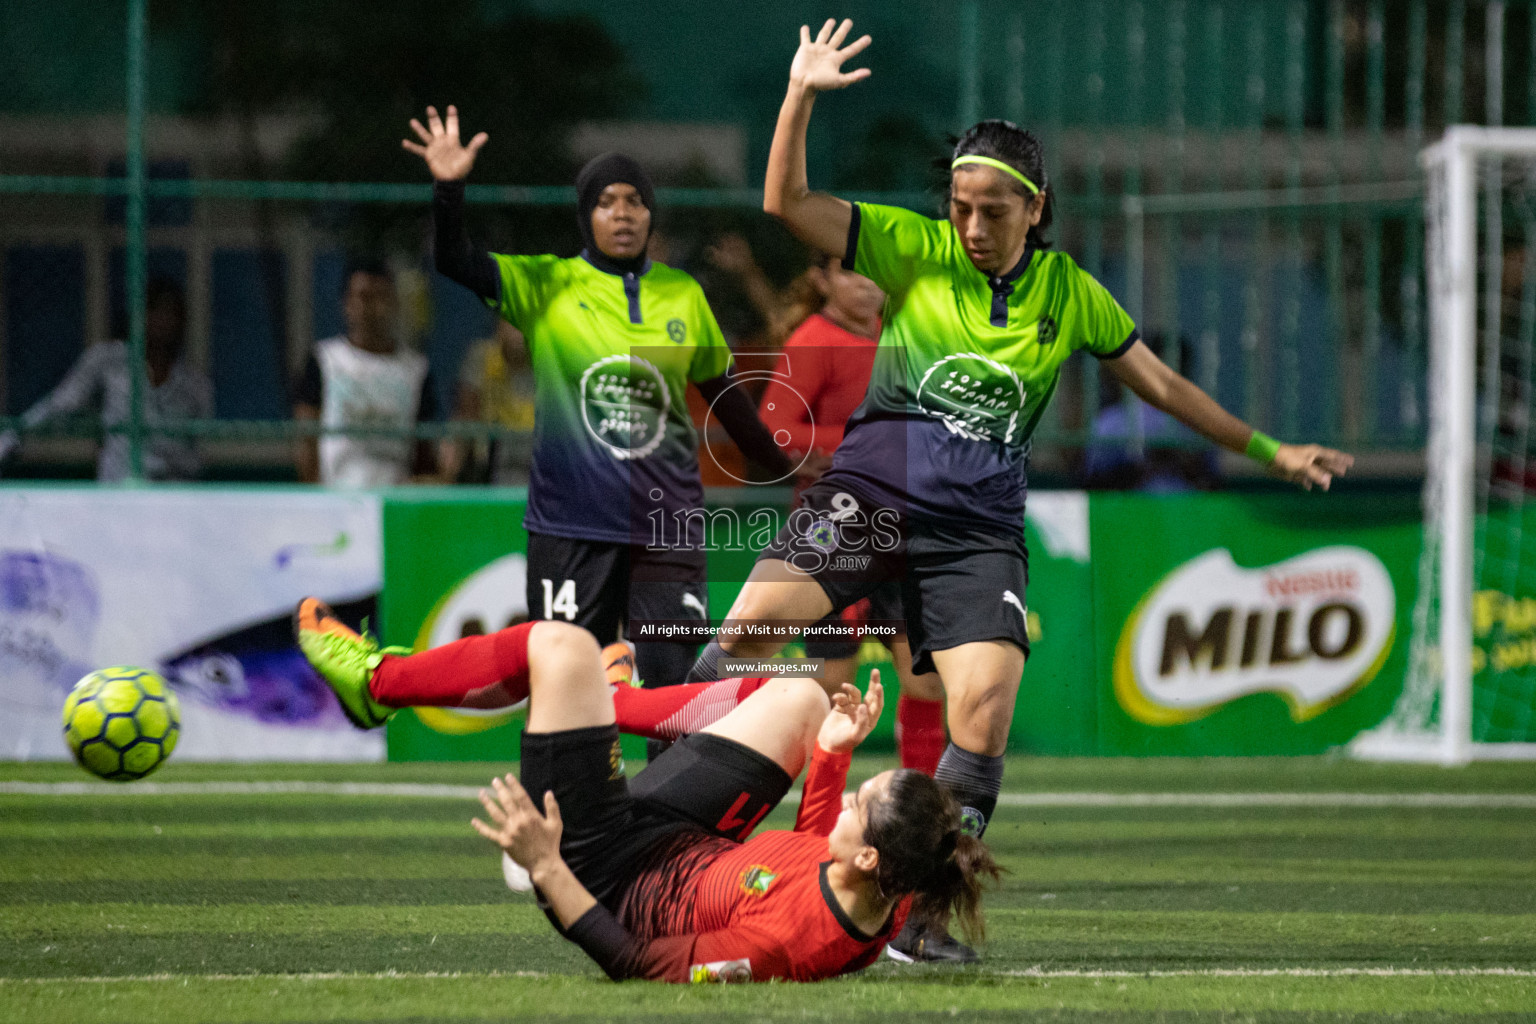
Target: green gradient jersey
{"type": "Point", "coordinates": [612, 359]}
{"type": "Point", "coordinates": [965, 366]}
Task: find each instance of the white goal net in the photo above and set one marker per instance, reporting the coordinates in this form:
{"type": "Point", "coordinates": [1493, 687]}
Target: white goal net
{"type": "Point", "coordinates": [1471, 686]}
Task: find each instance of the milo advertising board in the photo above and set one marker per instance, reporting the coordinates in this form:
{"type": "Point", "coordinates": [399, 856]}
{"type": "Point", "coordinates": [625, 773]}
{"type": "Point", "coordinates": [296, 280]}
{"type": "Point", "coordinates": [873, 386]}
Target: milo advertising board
{"type": "Point", "coordinates": [1249, 625]}
{"type": "Point", "coordinates": [453, 567]}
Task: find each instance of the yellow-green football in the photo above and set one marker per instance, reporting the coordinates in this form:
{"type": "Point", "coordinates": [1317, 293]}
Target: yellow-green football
{"type": "Point", "coordinates": [122, 722]}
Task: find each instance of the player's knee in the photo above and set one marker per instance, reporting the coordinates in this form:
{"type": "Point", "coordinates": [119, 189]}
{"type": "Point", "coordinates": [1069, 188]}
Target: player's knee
{"type": "Point", "coordinates": [559, 651]}
{"type": "Point", "coordinates": [805, 703]}
{"type": "Point", "coordinates": [982, 700]}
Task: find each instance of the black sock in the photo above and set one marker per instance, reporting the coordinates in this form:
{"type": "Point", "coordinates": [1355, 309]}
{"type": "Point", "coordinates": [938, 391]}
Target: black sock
{"type": "Point", "coordinates": [975, 780]}
{"type": "Point", "coordinates": [707, 668]}
{"type": "Point", "coordinates": [663, 662]}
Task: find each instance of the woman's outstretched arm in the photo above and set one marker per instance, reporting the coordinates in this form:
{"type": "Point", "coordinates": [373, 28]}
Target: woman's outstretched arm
{"type": "Point", "coordinates": [1160, 386]}
{"type": "Point", "coordinates": [817, 219]}
{"type": "Point", "coordinates": [450, 162]}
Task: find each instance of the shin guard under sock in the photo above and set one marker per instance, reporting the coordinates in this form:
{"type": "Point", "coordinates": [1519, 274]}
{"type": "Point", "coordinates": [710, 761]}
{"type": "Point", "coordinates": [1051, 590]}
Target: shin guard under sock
{"type": "Point", "coordinates": [444, 676]}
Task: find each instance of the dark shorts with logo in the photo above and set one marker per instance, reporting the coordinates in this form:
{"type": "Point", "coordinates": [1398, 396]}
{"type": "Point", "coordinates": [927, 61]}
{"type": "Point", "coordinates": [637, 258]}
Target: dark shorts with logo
{"type": "Point", "coordinates": [958, 585]}
{"type": "Point", "coordinates": [703, 784]}
{"type": "Point", "coordinates": [602, 586]}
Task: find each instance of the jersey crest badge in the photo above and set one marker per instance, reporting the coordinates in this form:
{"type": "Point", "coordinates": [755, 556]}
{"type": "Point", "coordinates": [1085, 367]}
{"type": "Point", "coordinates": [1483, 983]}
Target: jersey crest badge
{"type": "Point", "coordinates": [823, 536]}
{"type": "Point", "coordinates": [756, 880]}
{"type": "Point", "coordinates": [1045, 330]}
{"type": "Point", "coordinates": [677, 330]}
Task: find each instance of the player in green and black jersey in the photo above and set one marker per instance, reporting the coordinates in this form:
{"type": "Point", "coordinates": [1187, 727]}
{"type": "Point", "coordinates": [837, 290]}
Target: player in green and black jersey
{"type": "Point", "coordinates": [928, 485]}
{"type": "Point", "coordinates": [615, 339]}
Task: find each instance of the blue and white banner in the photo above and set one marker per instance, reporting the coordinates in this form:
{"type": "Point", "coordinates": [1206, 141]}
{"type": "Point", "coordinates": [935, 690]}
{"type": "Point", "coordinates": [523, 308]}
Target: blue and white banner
{"type": "Point", "coordinates": [196, 584]}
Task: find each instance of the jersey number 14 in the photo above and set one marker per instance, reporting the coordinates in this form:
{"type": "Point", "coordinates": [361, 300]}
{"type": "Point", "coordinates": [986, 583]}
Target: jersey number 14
{"type": "Point", "coordinates": [563, 603]}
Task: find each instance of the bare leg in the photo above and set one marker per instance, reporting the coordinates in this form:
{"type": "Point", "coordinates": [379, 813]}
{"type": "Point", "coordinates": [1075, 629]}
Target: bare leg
{"type": "Point", "coordinates": [982, 681]}
{"type": "Point", "coordinates": [780, 594]}
{"type": "Point", "coordinates": [567, 687]}
{"type": "Point", "coordinates": [928, 686]}
{"type": "Point", "coordinates": [779, 721]}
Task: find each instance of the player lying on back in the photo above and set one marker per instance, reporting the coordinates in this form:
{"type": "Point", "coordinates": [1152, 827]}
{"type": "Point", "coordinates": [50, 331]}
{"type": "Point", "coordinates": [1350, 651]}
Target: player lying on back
{"type": "Point", "coordinates": [654, 880]}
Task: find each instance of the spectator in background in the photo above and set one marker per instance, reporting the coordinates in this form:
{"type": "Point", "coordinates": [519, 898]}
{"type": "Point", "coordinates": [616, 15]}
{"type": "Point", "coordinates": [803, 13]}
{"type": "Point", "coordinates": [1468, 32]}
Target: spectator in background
{"type": "Point", "coordinates": [1172, 457]}
{"type": "Point", "coordinates": [365, 378]}
{"type": "Point", "coordinates": [495, 386]}
{"type": "Point", "coordinates": [173, 391]}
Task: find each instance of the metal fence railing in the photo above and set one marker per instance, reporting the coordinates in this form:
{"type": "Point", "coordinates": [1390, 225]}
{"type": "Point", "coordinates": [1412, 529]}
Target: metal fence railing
{"type": "Point", "coordinates": [1243, 176]}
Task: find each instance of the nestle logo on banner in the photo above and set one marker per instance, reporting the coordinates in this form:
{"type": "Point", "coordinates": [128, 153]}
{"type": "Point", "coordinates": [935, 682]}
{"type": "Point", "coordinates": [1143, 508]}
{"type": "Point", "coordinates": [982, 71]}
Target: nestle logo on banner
{"type": "Point", "coordinates": [1312, 629]}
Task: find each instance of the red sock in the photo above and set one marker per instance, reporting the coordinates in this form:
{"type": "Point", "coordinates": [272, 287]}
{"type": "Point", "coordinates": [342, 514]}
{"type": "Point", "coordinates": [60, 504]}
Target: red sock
{"type": "Point", "coordinates": [444, 676]}
{"type": "Point", "coordinates": [669, 712]}
{"type": "Point", "coordinates": [920, 737]}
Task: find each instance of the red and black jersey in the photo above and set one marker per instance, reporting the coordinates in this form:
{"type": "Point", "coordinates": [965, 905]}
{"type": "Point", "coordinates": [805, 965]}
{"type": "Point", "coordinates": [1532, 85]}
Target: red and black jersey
{"type": "Point", "coordinates": [709, 909]}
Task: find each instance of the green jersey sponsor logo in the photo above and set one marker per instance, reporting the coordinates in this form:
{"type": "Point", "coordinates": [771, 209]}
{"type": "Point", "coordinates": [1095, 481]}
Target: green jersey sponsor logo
{"type": "Point", "coordinates": [624, 402]}
{"type": "Point", "coordinates": [976, 397]}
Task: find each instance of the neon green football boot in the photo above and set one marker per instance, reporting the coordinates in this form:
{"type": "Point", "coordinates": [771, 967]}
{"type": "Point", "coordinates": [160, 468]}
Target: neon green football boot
{"type": "Point", "coordinates": [344, 658]}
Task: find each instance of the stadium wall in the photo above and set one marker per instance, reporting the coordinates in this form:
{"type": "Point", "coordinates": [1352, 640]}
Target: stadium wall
{"type": "Point", "coordinates": [1161, 625]}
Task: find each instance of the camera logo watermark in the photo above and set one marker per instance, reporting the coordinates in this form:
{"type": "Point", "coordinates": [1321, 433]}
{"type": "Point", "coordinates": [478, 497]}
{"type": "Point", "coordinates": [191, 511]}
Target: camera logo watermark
{"type": "Point", "coordinates": [797, 409]}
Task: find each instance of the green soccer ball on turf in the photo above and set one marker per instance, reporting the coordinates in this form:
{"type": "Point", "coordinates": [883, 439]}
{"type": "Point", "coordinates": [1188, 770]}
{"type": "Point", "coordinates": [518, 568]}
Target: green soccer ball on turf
{"type": "Point", "coordinates": [121, 723]}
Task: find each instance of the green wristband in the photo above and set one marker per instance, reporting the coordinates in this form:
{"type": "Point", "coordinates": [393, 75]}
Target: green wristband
{"type": "Point", "coordinates": [1262, 448]}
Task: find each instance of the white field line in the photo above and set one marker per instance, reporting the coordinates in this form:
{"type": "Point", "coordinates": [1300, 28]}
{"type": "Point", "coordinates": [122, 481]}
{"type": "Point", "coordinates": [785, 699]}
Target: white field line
{"type": "Point", "coordinates": [447, 792]}
{"type": "Point", "coordinates": [309, 976]}
{"type": "Point", "coordinates": [1034, 972]}
{"type": "Point", "coordinates": [1281, 972]}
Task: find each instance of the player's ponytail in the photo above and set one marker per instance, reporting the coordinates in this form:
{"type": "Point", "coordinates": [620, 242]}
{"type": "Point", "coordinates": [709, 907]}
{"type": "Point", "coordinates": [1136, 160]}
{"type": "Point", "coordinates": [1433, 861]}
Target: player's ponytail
{"type": "Point", "coordinates": [916, 832]}
{"type": "Point", "coordinates": [1021, 150]}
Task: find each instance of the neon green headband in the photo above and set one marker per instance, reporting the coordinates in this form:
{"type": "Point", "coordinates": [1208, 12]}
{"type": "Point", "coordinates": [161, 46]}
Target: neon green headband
{"type": "Point", "coordinates": [988, 161]}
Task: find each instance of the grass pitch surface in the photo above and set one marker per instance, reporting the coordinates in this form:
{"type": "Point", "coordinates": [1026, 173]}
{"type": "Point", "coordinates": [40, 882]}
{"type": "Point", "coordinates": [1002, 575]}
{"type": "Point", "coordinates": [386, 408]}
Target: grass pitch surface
{"type": "Point", "coordinates": [1297, 890]}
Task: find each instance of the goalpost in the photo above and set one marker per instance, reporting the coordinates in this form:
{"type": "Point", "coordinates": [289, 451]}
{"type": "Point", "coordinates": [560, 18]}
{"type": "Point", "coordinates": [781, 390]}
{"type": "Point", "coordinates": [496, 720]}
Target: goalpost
{"type": "Point", "coordinates": [1470, 693]}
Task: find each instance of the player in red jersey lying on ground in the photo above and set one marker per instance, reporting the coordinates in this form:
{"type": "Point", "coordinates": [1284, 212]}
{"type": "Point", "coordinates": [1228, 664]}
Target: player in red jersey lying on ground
{"type": "Point", "coordinates": [658, 879]}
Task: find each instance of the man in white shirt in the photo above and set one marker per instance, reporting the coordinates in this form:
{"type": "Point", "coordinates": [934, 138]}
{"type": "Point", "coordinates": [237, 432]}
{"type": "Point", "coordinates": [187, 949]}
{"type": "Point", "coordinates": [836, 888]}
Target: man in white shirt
{"type": "Point", "coordinates": [365, 378]}
{"type": "Point", "coordinates": [172, 390]}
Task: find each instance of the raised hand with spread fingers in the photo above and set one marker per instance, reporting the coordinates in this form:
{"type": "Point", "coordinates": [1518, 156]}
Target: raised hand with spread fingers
{"type": "Point", "coordinates": [818, 64]}
{"type": "Point", "coordinates": [447, 158]}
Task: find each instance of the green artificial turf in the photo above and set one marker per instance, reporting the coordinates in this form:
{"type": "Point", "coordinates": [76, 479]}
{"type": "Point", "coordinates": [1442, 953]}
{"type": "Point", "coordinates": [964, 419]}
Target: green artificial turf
{"type": "Point", "coordinates": [228, 907]}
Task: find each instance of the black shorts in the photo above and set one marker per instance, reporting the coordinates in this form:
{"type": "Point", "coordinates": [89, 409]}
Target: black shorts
{"type": "Point", "coordinates": [603, 587]}
{"type": "Point", "coordinates": [882, 607]}
{"type": "Point", "coordinates": [703, 783]}
{"type": "Point", "coordinates": [958, 584]}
